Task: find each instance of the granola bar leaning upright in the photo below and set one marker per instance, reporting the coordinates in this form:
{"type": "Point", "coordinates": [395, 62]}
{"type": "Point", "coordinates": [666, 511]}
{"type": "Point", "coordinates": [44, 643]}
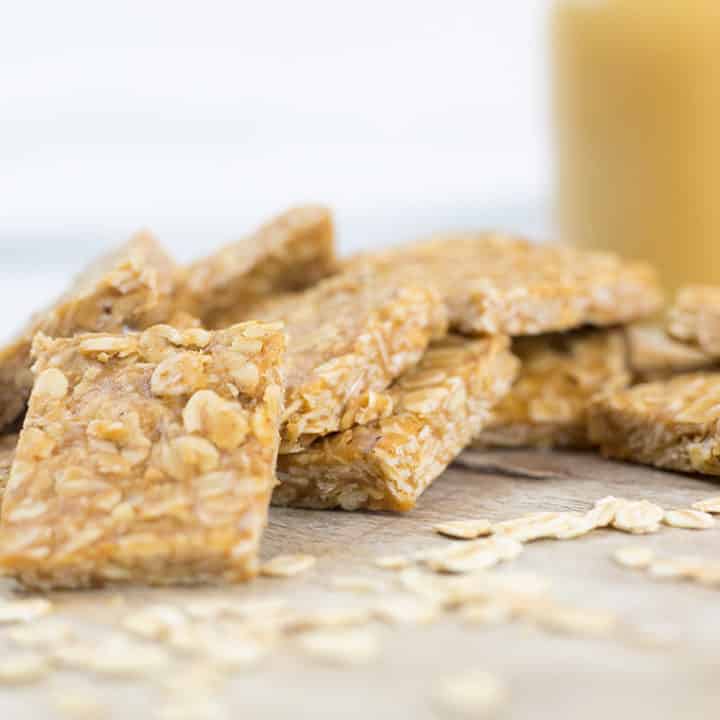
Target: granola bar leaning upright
{"type": "Point", "coordinates": [387, 464]}
{"type": "Point", "coordinates": [559, 376]}
{"type": "Point", "coordinates": [673, 424]}
{"type": "Point", "coordinates": [132, 286]}
{"type": "Point", "coordinates": [290, 253]}
{"type": "Point", "coordinates": [145, 457]}
{"type": "Point", "coordinates": [348, 339]}
{"type": "Point", "coordinates": [501, 284]}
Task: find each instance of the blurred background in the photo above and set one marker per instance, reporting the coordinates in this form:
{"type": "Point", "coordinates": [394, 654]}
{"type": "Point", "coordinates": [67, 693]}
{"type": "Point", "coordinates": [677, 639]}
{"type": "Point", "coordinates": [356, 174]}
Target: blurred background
{"type": "Point", "coordinates": [200, 120]}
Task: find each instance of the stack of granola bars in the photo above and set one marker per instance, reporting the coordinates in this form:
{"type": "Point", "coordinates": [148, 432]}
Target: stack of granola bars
{"type": "Point", "coordinates": [160, 408]}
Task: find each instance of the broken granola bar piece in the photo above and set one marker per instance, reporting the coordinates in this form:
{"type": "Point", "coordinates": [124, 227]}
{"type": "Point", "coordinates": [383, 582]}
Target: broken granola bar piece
{"type": "Point", "coordinates": [386, 465]}
{"type": "Point", "coordinates": [499, 284]}
{"type": "Point", "coordinates": [289, 253]}
{"type": "Point", "coordinates": [695, 317]}
{"type": "Point", "coordinates": [655, 355]}
{"type": "Point", "coordinates": [348, 339]}
{"type": "Point", "coordinates": [132, 286]}
{"type": "Point", "coordinates": [671, 424]}
{"type": "Point", "coordinates": [145, 457]}
{"type": "Point", "coordinates": [8, 443]}
{"type": "Point", "coordinates": [559, 376]}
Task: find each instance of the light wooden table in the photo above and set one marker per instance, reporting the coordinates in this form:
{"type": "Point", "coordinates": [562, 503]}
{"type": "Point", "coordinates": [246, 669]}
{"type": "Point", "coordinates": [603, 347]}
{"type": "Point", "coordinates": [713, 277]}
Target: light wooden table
{"type": "Point", "coordinates": [549, 676]}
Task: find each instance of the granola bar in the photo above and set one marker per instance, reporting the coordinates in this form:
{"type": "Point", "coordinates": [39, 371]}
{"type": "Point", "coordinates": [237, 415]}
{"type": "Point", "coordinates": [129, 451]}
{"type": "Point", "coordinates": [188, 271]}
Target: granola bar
{"type": "Point", "coordinates": [655, 355]}
{"type": "Point", "coordinates": [671, 424]}
{"type": "Point", "coordinates": [289, 253]}
{"type": "Point", "coordinates": [695, 317]}
{"type": "Point", "coordinates": [8, 443]}
{"type": "Point", "coordinates": [145, 457]}
{"type": "Point", "coordinates": [385, 465]}
{"type": "Point", "coordinates": [348, 339]}
{"type": "Point", "coordinates": [559, 375]}
{"type": "Point", "coordinates": [499, 284]}
{"type": "Point", "coordinates": [132, 286]}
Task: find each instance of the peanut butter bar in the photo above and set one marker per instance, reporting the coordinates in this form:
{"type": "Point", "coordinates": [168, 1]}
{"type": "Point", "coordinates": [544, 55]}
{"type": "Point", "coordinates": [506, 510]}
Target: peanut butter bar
{"type": "Point", "coordinates": [131, 286]}
{"type": "Point", "coordinates": [672, 424]}
{"type": "Point", "coordinates": [655, 355]}
{"type": "Point", "coordinates": [290, 253]}
{"type": "Point", "coordinates": [386, 465]}
{"type": "Point", "coordinates": [559, 376]}
{"type": "Point", "coordinates": [695, 317]}
{"type": "Point", "coordinates": [348, 339]}
{"type": "Point", "coordinates": [145, 457]}
{"type": "Point", "coordinates": [499, 284]}
{"type": "Point", "coordinates": [8, 443]}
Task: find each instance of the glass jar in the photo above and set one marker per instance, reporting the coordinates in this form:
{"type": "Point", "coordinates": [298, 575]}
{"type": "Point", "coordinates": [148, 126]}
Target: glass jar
{"type": "Point", "coordinates": [637, 110]}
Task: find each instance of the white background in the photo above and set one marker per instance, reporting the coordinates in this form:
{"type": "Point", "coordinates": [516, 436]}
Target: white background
{"type": "Point", "coordinates": [200, 119]}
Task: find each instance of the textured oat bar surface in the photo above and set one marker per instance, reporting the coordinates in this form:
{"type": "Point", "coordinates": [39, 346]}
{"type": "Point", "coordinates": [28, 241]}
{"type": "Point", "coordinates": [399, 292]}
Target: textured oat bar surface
{"type": "Point", "coordinates": [8, 443]}
{"type": "Point", "coordinates": [145, 457]}
{"type": "Point", "coordinates": [385, 465]}
{"type": "Point", "coordinates": [289, 253]}
{"type": "Point", "coordinates": [655, 355]}
{"type": "Point", "coordinates": [499, 284]}
{"type": "Point", "coordinates": [559, 375]}
{"type": "Point", "coordinates": [670, 424]}
{"type": "Point", "coordinates": [132, 286]}
{"type": "Point", "coordinates": [348, 339]}
{"type": "Point", "coordinates": [695, 317]}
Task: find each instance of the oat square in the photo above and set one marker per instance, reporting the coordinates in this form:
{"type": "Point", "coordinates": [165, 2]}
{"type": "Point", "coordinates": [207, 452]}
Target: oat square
{"type": "Point", "coordinates": [438, 407]}
{"type": "Point", "coordinates": [695, 317]}
{"type": "Point", "coordinates": [500, 284]}
{"type": "Point", "coordinates": [655, 355]}
{"type": "Point", "coordinates": [670, 424]}
{"type": "Point", "coordinates": [131, 286]}
{"type": "Point", "coordinates": [145, 457]}
{"type": "Point", "coordinates": [290, 253]}
{"type": "Point", "coordinates": [348, 339]}
{"type": "Point", "coordinates": [559, 376]}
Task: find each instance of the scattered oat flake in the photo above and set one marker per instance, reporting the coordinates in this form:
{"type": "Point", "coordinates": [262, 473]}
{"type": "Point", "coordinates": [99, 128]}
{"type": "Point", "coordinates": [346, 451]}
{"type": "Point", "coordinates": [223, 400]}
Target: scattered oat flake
{"type": "Point", "coordinates": [329, 619]}
{"type": "Point", "coordinates": [467, 561]}
{"type": "Point", "coordinates": [634, 556]}
{"type": "Point", "coordinates": [288, 565]}
{"type": "Point", "coordinates": [684, 568]}
{"type": "Point", "coordinates": [464, 529]}
{"type": "Point", "coordinates": [349, 647]}
{"type": "Point", "coordinates": [43, 635]}
{"type": "Point", "coordinates": [12, 611]}
{"type": "Point", "coordinates": [154, 622]}
{"type": "Point", "coordinates": [211, 608]}
{"type": "Point", "coordinates": [710, 505]}
{"type": "Point", "coordinates": [23, 668]}
{"type": "Point", "coordinates": [492, 612]}
{"type": "Point", "coordinates": [236, 654]}
{"type": "Point", "coordinates": [576, 621]}
{"type": "Point", "coordinates": [472, 693]}
{"type": "Point", "coordinates": [357, 583]}
{"type": "Point", "coordinates": [114, 657]}
{"type": "Point", "coordinates": [638, 517]}
{"type": "Point", "coordinates": [393, 562]}
{"type": "Point", "coordinates": [535, 526]}
{"type": "Point", "coordinates": [401, 609]}
{"type": "Point", "coordinates": [603, 511]}
{"type": "Point", "coordinates": [689, 519]}
{"type": "Point", "coordinates": [79, 705]}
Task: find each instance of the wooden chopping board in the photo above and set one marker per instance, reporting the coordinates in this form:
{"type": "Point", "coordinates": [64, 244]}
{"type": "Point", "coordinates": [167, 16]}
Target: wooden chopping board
{"type": "Point", "coordinates": [548, 676]}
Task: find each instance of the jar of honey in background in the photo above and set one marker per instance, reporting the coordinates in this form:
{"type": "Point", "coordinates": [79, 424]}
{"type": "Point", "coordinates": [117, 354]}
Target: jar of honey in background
{"type": "Point", "coordinates": [637, 110]}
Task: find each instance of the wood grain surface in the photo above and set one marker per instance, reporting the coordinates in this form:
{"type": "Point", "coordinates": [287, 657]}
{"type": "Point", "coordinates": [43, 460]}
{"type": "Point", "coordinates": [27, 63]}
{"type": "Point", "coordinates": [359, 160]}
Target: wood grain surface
{"type": "Point", "coordinates": [548, 676]}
